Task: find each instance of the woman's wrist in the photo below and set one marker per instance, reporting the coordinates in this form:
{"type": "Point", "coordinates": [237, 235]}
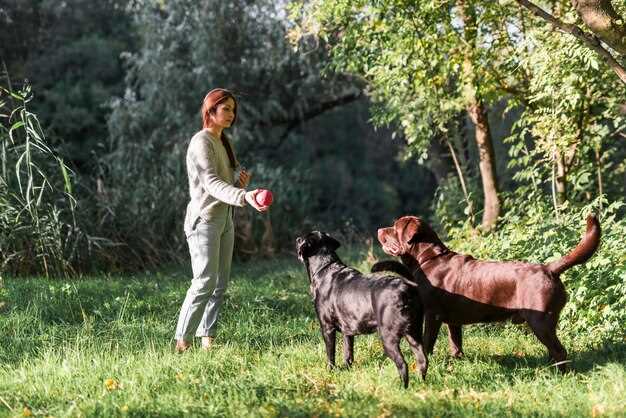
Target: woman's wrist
{"type": "Point", "coordinates": [243, 201]}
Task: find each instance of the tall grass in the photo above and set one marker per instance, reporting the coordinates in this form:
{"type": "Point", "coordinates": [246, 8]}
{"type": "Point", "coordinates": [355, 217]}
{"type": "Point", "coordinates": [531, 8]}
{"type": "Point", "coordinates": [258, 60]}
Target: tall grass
{"type": "Point", "coordinates": [140, 204]}
{"type": "Point", "coordinates": [38, 233]}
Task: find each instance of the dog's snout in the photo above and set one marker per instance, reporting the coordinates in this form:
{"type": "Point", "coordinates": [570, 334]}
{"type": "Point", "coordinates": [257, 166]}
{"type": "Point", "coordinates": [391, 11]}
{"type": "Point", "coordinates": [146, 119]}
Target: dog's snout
{"type": "Point", "coordinates": [381, 235]}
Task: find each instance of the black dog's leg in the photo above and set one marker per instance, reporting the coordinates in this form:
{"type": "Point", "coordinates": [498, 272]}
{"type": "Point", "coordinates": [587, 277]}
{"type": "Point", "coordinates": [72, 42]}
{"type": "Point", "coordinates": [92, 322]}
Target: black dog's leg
{"type": "Point", "coordinates": [348, 349]}
{"type": "Point", "coordinates": [329, 340]}
{"type": "Point", "coordinates": [392, 349]}
{"type": "Point", "coordinates": [455, 340]}
{"type": "Point", "coordinates": [431, 330]}
{"type": "Point", "coordinates": [418, 351]}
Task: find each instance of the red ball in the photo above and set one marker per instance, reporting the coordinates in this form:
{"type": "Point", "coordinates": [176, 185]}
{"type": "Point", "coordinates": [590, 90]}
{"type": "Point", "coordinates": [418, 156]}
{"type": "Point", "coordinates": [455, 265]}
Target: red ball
{"type": "Point", "coordinates": [264, 197]}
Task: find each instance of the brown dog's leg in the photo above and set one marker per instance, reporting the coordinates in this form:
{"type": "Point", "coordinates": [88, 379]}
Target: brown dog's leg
{"type": "Point", "coordinates": [348, 349]}
{"type": "Point", "coordinates": [431, 330]}
{"type": "Point", "coordinates": [544, 327]}
{"type": "Point", "coordinates": [329, 339]}
{"type": "Point", "coordinates": [392, 349]}
{"type": "Point", "coordinates": [455, 340]}
{"type": "Point", "coordinates": [418, 351]}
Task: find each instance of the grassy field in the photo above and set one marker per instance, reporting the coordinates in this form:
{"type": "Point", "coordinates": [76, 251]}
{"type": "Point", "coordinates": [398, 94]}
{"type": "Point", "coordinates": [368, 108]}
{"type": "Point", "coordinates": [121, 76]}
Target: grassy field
{"type": "Point", "coordinates": [102, 346]}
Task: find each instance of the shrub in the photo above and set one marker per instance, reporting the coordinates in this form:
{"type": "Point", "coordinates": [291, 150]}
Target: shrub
{"type": "Point", "coordinates": [38, 233]}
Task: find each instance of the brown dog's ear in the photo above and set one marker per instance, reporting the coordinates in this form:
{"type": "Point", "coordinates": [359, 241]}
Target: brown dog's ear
{"type": "Point", "coordinates": [410, 231]}
{"type": "Point", "coordinates": [414, 238]}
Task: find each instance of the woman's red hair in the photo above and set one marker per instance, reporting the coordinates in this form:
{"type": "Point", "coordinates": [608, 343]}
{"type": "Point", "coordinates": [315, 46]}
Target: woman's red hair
{"type": "Point", "coordinates": [209, 105]}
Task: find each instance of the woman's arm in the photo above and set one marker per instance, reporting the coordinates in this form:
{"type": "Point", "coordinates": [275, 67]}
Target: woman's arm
{"type": "Point", "coordinates": [203, 157]}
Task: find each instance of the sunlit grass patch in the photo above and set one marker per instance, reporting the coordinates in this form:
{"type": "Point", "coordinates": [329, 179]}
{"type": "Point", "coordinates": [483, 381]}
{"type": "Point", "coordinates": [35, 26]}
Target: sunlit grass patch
{"type": "Point", "coordinates": [102, 346]}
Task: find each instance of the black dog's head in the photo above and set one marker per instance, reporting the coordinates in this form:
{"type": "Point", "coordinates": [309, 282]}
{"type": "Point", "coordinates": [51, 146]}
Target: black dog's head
{"type": "Point", "coordinates": [315, 243]}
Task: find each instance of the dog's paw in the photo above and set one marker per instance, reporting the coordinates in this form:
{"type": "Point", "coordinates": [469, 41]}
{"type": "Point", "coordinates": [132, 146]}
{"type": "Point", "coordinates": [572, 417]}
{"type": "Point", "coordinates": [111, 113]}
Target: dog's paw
{"type": "Point", "coordinates": [457, 354]}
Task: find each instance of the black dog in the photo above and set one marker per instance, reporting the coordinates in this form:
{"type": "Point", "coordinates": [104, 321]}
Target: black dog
{"type": "Point", "coordinates": [352, 303]}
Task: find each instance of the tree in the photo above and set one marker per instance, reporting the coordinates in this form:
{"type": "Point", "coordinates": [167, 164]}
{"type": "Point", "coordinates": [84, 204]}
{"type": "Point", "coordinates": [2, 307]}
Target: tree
{"type": "Point", "coordinates": [188, 48]}
{"type": "Point", "coordinates": [604, 22]}
{"type": "Point", "coordinates": [569, 106]}
{"type": "Point", "coordinates": [423, 62]}
{"type": "Point", "coordinates": [71, 54]}
{"type": "Point", "coordinates": [477, 110]}
{"type": "Point", "coordinates": [601, 17]}
{"type": "Point", "coordinates": [573, 117]}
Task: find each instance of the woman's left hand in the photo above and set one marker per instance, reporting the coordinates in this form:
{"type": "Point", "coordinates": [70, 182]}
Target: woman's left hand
{"type": "Point", "coordinates": [244, 179]}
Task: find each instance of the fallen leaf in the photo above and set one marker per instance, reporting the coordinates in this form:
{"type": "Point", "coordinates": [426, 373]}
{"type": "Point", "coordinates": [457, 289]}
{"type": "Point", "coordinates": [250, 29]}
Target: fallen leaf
{"type": "Point", "coordinates": [111, 384]}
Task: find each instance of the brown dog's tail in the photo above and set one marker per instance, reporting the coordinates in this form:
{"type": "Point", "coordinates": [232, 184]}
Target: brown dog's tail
{"type": "Point", "coordinates": [393, 266]}
{"type": "Point", "coordinates": [583, 251]}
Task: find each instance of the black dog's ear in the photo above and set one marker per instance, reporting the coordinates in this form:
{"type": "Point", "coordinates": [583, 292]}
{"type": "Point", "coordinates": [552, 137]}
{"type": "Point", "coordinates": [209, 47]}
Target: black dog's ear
{"type": "Point", "coordinates": [331, 242]}
{"type": "Point", "coordinates": [318, 234]}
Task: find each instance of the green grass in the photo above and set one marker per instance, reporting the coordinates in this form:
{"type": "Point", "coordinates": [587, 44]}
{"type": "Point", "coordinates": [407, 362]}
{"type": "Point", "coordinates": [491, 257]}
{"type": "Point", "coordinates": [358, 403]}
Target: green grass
{"type": "Point", "coordinates": [101, 346]}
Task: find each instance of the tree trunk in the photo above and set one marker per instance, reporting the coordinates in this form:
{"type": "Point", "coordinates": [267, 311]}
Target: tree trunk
{"type": "Point", "coordinates": [598, 158]}
{"type": "Point", "coordinates": [478, 113]}
{"type": "Point", "coordinates": [487, 165]}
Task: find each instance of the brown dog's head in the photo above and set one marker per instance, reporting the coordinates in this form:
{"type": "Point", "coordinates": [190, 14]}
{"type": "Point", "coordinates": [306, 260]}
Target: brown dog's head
{"type": "Point", "coordinates": [315, 243]}
{"type": "Point", "coordinates": [396, 239]}
{"type": "Point", "coordinates": [407, 231]}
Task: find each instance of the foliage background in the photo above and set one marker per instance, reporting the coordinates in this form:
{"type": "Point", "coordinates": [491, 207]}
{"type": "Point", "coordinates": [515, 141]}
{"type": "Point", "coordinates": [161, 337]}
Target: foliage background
{"type": "Point", "coordinates": [352, 112]}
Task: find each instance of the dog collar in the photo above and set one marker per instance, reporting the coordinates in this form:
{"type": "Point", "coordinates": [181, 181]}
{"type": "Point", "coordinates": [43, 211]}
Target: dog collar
{"type": "Point", "coordinates": [433, 257]}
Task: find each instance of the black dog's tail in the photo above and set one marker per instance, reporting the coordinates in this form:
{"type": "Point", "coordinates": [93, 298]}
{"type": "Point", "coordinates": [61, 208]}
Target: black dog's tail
{"type": "Point", "coordinates": [393, 266]}
{"type": "Point", "coordinates": [583, 251]}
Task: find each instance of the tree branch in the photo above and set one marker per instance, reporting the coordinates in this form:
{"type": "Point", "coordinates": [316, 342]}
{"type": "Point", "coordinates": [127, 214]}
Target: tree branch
{"type": "Point", "coordinates": [603, 20]}
{"type": "Point", "coordinates": [591, 41]}
{"type": "Point", "coordinates": [294, 121]}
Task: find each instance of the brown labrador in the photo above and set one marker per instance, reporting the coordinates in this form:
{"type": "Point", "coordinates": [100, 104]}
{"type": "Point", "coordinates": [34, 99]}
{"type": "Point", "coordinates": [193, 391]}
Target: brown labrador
{"type": "Point", "coordinates": [457, 289]}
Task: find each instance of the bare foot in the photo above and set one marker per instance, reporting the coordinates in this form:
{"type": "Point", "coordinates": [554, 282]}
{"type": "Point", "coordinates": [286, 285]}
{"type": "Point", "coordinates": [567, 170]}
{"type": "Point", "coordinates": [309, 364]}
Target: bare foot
{"type": "Point", "coordinates": [182, 346]}
{"type": "Point", "coordinates": [207, 343]}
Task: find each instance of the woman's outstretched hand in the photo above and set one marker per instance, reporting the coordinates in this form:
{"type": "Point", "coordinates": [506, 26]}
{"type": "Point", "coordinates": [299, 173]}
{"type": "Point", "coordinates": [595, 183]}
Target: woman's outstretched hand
{"type": "Point", "coordinates": [251, 199]}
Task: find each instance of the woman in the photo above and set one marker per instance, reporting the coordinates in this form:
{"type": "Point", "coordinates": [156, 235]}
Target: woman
{"type": "Point", "coordinates": [211, 166]}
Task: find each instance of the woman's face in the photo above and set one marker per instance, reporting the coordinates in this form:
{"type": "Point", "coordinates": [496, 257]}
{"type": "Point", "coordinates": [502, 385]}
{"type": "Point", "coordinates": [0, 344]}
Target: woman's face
{"type": "Point", "coordinates": [224, 114]}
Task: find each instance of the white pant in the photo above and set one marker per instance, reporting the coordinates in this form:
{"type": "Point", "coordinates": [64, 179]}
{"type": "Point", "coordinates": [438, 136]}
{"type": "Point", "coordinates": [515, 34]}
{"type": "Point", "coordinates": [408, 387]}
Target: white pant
{"type": "Point", "coordinates": [211, 250]}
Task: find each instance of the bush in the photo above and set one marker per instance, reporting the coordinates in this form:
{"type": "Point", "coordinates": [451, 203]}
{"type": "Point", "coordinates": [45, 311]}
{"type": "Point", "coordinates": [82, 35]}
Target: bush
{"type": "Point", "coordinates": [38, 233]}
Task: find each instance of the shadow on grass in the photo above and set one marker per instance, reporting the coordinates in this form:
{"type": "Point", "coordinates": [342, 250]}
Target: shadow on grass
{"type": "Point", "coordinates": [581, 361]}
{"type": "Point", "coordinates": [292, 307]}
